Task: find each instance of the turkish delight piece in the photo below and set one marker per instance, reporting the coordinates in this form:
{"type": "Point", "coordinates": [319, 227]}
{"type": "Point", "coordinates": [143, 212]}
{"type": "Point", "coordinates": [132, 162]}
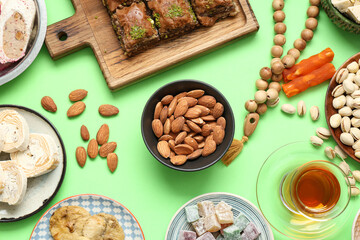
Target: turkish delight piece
{"type": "Point", "coordinates": [206, 208]}
{"type": "Point", "coordinates": [206, 236]}
{"type": "Point", "coordinates": [199, 226]}
{"type": "Point", "coordinates": [192, 213]}
{"type": "Point", "coordinates": [211, 223]}
{"type": "Point", "coordinates": [232, 232]}
{"type": "Point", "coordinates": [187, 235]}
{"type": "Point", "coordinates": [223, 207]}
{"type": "Point", "coordinates": [341, 5]}
{"type": "Point", "coordinates": [220, 237]}
{"type": "Point", "coordinates": [250, 232]}
{"type": "Point", "coordinates": [354, 13]}
{"type": "Point", "coordinates": [16, 24]}
{"type": "Point", "coordinates": [241, 221]}
{"type": "Point", "coordinates": [225, 217]}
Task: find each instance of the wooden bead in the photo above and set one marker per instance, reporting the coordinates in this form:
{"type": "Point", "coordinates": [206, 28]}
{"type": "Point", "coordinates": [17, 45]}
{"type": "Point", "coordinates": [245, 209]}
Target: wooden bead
{"type": "Point", "coordinates": [278, 4]}
{"type": "Point", "coordinates": [277, 68]}
{"type": "Point", "coordinates": [313, 11]}
{"type": "Point", "coordinates": [307, 34]}
{"type": "Point", "coordinates": [261, 109]}
{"type": "Point", "coordinates": [261, 84]}
{"type": "Point", "coordinates": [294, 52]}
{"type": "Point", "coordinates": [275, 60]}
{"type": "Point", "coordinates": [277, 77]}
{"type": "Point", "coordinates": [300, 44]}
{"type": "Point", "coordinates": [314, 2]}
{"type": "Point", "coordinates": [275, 85]}
{"type": "Point", "coordinates": [311, 23]}
{"type": "Point", "coordinates": [265, 73]}
{"type": "Point", "coordinates": [280, 28]}
{"type": "Point", "coordinates": [251, 106]}
{"type": "Point", "coordinates": [276, 51]}
{"type": "Point", "coordinates": [279, 39]}
{"type": "Point", "coordinates": [288, 61]}
{"type": "Point", "coordinates": [260, 96]}
{"type": "Point", "coordinates": [279, 16]}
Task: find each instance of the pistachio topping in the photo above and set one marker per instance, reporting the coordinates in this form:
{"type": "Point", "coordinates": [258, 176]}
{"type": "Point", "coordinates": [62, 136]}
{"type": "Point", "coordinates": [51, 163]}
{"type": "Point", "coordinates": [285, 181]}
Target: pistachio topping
{"type": "Point", "coordinates": [174, 11]}
{"type": "Point", "coordinates": [137, 32]}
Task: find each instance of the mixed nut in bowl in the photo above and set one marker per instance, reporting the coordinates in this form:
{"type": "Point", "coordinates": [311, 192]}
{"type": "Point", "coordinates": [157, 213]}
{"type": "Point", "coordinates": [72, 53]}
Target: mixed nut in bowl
{"type": "Point", "coordinates": [187, 125]}
{"type": "Point", "coordinates": [342, 107]}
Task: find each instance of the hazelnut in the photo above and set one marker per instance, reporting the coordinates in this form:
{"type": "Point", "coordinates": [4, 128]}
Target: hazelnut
{"type": "Point", "coordinates": [300, 44]}
{"type": "Point", "coordinates": [261, 84]}
{"type": "Point", "coordinates": [311, 23]}
{"type": "Point", "coordinates": [279, 39]}
{"type": "Point", "coordinates": [280, 28]}
{"type": "Point", "coordinates": [277, 77]}
{"type": "Point", "coordinates": [288, 61]}
{"type": "Point", "coordinates": [261, 109]}
{"type": "Point", "coordinates": [314, 2]}
{"type": "Point", "coordinates": [307, 34]}
{"type": "Point", "coordinates": [278, 4]}
{"type": "Point", "coordinates": [251, 106]}
{"type": "Point", "coordinates": [294, 52]}
{"type": "Point", "coordinates": [276, 51]}
{"type": "Point", "coordinates": [277, 67]}
{"type": "Point", "coordinates": [279, 16]}
{"type": "Point", "coordinates": [265, 73]}
{"type": "Point", "coordinates": [275, 85]}
{"type": "Point", "coordinates": [313, 11]}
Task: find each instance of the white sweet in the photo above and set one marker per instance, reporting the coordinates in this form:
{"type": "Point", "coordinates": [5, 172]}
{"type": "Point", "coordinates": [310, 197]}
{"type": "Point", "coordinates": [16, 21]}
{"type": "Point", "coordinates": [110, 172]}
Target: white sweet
{"type": "Point", "coordinates": [14, 183]}
{"type": "Point", "coordinates": [342, 5]}
{"type": "Point", "coordinates": [354, 13]}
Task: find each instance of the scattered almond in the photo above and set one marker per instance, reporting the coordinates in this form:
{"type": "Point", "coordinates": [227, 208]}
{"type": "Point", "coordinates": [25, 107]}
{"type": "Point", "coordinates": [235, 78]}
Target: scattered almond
{"type": "Point", "coordinates": [84, 132]}
{"type": "Point", "coordinates": [92, 148]}
{"type": "Point", "coordinates": [102, 135]}
{"type": "Point", "coordinates": [164, 149]}
{"type": "Point", "coordinates": [112, 161]}
{"type": "Point", "coordinates": [48, 104]}
{"type": "Point", "coordinates": [78, 95]}
{"type": "Point", "coordinates": [80, 156]}
{"type": "Point", "coordinates": [107, 148]}
{"type": "Point", "coordinates": [76, 109]}
{"type": "Point", "coordinates": [108, 110]}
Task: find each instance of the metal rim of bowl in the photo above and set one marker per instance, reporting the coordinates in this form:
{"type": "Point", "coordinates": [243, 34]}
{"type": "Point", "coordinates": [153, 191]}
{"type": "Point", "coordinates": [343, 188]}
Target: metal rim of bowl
{"type": "Point", "coordinates": [35, 49]}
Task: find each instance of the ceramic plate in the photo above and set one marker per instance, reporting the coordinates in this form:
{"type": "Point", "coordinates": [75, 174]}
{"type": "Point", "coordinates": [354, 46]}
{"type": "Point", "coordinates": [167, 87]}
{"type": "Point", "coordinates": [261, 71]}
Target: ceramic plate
{"type": "Point", "coordinates": [355, 233]}
{"type": "Point", "coordinates": [239, 205]}
{"type": "Point", "coordinates": [40, 190]}
{"type": "Point", "coordinates": [94, 204]}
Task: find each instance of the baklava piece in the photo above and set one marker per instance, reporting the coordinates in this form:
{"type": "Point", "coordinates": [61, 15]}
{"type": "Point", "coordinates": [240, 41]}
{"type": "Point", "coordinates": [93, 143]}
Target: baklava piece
{"type": "Point", "coordinates": [112, 5]}
{"type": "Point", "coordinates": [172, 17]}
{"type": "Point", "coordinates": [209, 11]}
{"type": "Point", "coordinates": [135, 28]}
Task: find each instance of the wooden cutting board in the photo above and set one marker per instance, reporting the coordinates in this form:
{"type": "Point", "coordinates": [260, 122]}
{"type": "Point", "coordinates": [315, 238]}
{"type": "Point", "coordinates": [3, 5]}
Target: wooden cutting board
{"type": "Point", "coordinates": [91, 27]}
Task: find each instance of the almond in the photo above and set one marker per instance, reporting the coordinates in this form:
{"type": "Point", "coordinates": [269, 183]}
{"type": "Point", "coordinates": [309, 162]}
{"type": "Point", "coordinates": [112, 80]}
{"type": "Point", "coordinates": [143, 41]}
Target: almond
{"type": "Point", "coordinates": [181, 108]}
{"type": "Point", "coordinates": [172, 145]}
{"type": "Point", "coordinates": [218, 134]}
{"type": "Point", "coordinates": [181, 95]}
{"type": "Point", "coordinates": [207, 101]}
{"type": "Point", "coordinates": [204, 110]}
{"type": "Point", "coordinates": [157, 127]}
{"type": "Point", "coordinates": [191, 134]}
{"type": "Point", "coordinates": [190, 100]}
{"type": "Point", "coordinates": [193, 126]}
{"type": "Point", "coordinates": [107, 148]}
{"type": "Point", "coordinates": [201, 144]}
{"type": "Point", "coordinates": [198, 121]}
{"type": "Point", "coordinates": [208, 118]}
{"type": "Point", "coordinates": [177, 124]}
{"type": "Point", "coordinates": [158, 109]}
{"type": "Point", "coordinates": [180, 138]}
{"type": "Point", "coordinates": [166, 138]}
{"type": "Point", "coordinates": [221, 122]}
{"type": "Point", "coordinates": [92, 148]}
{"type": "Point", "coordinates": [199, 138]}
{"type": "Point", "coordinates": [102, 135]}
{"type": "Point", "coordinates": [172, 118]}
{"type": "Point", "coordinates": [76, 109]}
{"type": "Point", "coordinates": [108, 110]}
{"type": "Point", "coordinates": [163, 114]}
{"type": "Point", "coordinates": [186, 128]}
{"type": "Point", "coordinates": [178, 159]}
{"type": "Point", "coordinates": [197, 153]}
{"type": "Point", "coordinates": [80, 155]}
{"type": "Point", "coordinates": [174, 135]}
{"type": "Point", "coordinates": [218, 110]}
{"type": "Point", "coordinates": [172, 106]}
{"type": "Point", "coordinates": [84, 132]}
{"type": "Point", "coordinates": [183, 149]}
{"type": "Point", "coordinates": [48, 104]}
{"type": "Point", "coordinates": [206, 130]}
{"type": "Point", "coordinates": [112, 161]}
{"type": "Point", "coordinates": [167, 99]}
{"type": "Point", "coordinates": [193, 112]}
{"type": "Point", "coordinates": [191, 142]}
{"type": "Point", "coordinates": [78, 95]}
{"type": "Point", "coordinates": [195, 93]}
{"type": "Point", "coordinates": [172, 154]}
{"type": "Point", "coordinates": [164, 149]}
{"type": "Point", "coordinates": [209, 148]}
{"type": "Point", "coordinates": [167, 126]}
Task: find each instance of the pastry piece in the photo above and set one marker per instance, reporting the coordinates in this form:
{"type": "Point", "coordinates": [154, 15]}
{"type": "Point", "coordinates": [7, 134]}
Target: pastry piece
{"type": "Point", "coordinates": [13, 183]}
{"type": "Point", "coordinates": [112, 5]}
{"type": "Point", "coordinates": [94, 228]}
{"type": "Point", "coordinates": [187, 235]}
{"type": "Point", "coordinates": [206, 236]}
{"type": "Point", "coordinates": [250, 232]}
{"type": "Point", "coordinates": [113, 229]}
{"type": "Point", "coordinates": [68, 223]}
{"type": "Point", "coordinates": [199, 226]}
{"type": "Point", "coordinates": [232, 232]}
{"type": "Point", "coordinates": [172, 17]}
{"type": "Point", "coordinates": [206, 208]}
{"type": "Point", "coordinates": [241, 221]}
{"type": "Point", "coordinates": [15, 131]}
{"type": "Point", "coordinates": [135, 28]}
{"type": "Point", "coordinates": [40, 157]}
{"type": "Point", "coordinates": [211, 223]}
{"type": "Point", "coordinates": [209, 11]}
{"type": "Point", "coordinates": [16, 23]}
{"type": "Point", "coordinates": [354, 13]}
{"type": "Point", "coordinates": [192, 213]}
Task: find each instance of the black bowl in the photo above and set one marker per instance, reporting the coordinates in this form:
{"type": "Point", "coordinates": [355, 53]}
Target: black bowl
{"type": "Point", "coordinates": [174, 88]}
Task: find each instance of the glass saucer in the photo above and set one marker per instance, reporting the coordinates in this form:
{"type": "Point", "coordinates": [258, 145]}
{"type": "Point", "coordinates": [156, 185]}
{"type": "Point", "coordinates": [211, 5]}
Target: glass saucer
{"type": "Point", "coordinates": [277, 165]}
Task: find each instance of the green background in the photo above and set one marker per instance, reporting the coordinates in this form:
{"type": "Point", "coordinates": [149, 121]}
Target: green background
{"type": "Point", "coordinates": [150, 190]}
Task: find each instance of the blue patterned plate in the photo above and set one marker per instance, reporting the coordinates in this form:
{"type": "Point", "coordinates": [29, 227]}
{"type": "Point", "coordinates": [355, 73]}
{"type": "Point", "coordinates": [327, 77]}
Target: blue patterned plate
{"type": "Point", "coordinates": [94, 204]}
{"type": "Point", "coordinates": [239, 205]}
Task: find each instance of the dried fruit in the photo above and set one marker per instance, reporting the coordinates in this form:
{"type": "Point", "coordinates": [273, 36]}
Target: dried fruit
{"type": "Point", "coordinates": [48, 104]}
{"type": "Point", "coordinates": [107, 148]}
{"type": "Point", "coordinates": [102, 135]}
{"type": "Point", "coordinates": [92, 148]}
{"type": "Point", "coordinates": [80, 155]}
{"type": "Point", "coordinates": [112, 161]}
{"type": "Point", "coordinates": [84, 132]}
{"type": "Point", "coordinates": [108, 110]}
{"type": "Point", "coordinates": [76, 109]}
{"type": "Point", "coordinates": [78, 95]}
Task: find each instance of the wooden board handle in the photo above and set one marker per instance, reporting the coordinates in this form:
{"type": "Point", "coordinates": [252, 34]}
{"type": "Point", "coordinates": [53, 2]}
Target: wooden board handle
{"type": "Point", "coordinates": [69, 35]}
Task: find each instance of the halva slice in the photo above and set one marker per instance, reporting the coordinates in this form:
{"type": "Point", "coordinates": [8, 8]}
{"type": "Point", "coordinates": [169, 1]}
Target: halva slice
{"type": "Point", "coordinates": [354, 13]}
{"type": "Point", "coordinates": [40, 157]}
{"type": "Point", "coordinates": [15, 131]}
{"type": "Point", "coordinates": [13, 183]}
{"type": "Point", "coordinates": [16, 21]}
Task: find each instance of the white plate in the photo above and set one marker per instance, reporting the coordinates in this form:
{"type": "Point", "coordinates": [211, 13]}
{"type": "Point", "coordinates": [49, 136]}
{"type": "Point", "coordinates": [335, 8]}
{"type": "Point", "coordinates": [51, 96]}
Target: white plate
{"type": "Point", "coordinates": [94, 204]}
{"type": "Point", "coordinates": [239, 205]}
{"type": "Point", "coordinates": [40, 190]}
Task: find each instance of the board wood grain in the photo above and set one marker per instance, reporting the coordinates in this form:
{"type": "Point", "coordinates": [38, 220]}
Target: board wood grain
{"type": "Point", "coordinates": [90, 26]}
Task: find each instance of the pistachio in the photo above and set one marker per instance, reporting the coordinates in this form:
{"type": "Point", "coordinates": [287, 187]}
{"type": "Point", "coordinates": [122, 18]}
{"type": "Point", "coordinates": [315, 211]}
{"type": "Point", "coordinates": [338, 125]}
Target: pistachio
{"type": "Point", "coordinates": [301, 108]}
{"type": "Point", "coordinates": [356, 103]}
{"type": "Point", "coordinates": [352, 181]}
{"type": "Point", "coordinates": [316, 141]}
{"type": "Point", "coordinates": [356, 145]}
{"type": "Point", "coordinates": [272, 94]}
{"type": "Point", "coordinates": [329, 152]}
{"type": "Point", "coordinates": [355, 122]}
{"type": "Point", "coordinates": [340, 152]}
{"type": "Point", "coordinates": [355, 133]}
{"type": "Point", "coordinates": [260, 96]}
{"type": "Point", "coordinates": [345, 124]}
{"type": "Point", "coordinates": [355, 94]}
{"type": "Point", "coordinates": [335, 120]}
{"type": "Point", "coordinates": [349, 101]}
{"type": "Point", "coordinates": [273, 103]}
{"type": "Point", "coordinates": [354, 191]}
{"type": "Point", "coordinates": [345, 111]}
{"type": "Point", "coordinates": [345, 167]}
{"type": "Point", "coordinates": [348, 86]}
{"type": "Point", "coordinates": [356, 87]}
{"type": "Point", "coordinates": [288, 108]}
{"type": "Point", "coordinates": [356, 113]}
{"type": "Point", "coordinates": [357, 79]}
{"type": "Point", "coordinates": [339, 102]}
{"type": "Point", "coordinates": [342, 75]}
{"type": "Point", "coordinates": [314, 113]}
{"type": "Point", "coordinates": [351, 77]}
{"type": "Point", "coordinates": [323, 133]}
{"type": "Point", "coordinates": [353, 67]}
{"type": "Point", "coordinates": [338, 91]}
{"type": "Point", "coordinates": [356, 175]}
{"type": "Point", "coordinates": [346, 139]}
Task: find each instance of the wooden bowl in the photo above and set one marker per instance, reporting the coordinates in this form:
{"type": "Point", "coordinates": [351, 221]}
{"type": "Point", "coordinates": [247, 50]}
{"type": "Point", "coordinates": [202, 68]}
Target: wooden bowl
{"type": "Point", "coordinates": [330, 110]}
{"type": "Point", "coordinates": [339, 19]}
